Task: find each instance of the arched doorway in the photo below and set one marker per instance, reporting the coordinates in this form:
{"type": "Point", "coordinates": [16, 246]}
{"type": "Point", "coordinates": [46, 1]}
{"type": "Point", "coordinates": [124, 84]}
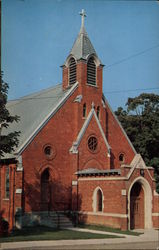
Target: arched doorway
{"type": "Point", "coordinates": [45, 190]}
{"type": "Point", "coordinates": [140, 198]}
{"type": "Point", "coordinates": [137, 207]}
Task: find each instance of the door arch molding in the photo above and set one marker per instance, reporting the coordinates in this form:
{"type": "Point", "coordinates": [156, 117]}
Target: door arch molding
{"type": "Point", "coordinates": [147, 201]}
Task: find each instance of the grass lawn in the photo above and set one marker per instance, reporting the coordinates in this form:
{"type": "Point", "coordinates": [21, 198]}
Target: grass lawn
{"type": "Point", "coordinates": [46, 233]}
{"type": "Point", "coordinates": [109, 229]}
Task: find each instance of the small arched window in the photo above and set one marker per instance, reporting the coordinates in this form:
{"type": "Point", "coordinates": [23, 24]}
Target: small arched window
{"type": "Point", "coordinates": [72, 71]}
{"type": "Point", "coordinates": [98, 112]}
{"type": "Point", "coordinates": [91, 72]}
{"type": "Point", "coordinates": [99, 201]}
{"type": "Point", "coordinates": [84, 110]}
{"type": "Point", "coordinates": [121, 158]}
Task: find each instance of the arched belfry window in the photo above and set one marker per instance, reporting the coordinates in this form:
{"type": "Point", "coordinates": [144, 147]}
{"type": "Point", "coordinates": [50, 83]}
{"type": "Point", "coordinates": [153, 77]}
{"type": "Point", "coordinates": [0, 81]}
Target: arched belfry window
{"type": "Point", "coordinates": [84, 110]}
{"type": "Point", "coordinates": [91, 72]}
{"type": "Point", "coordinates": [72, 71]}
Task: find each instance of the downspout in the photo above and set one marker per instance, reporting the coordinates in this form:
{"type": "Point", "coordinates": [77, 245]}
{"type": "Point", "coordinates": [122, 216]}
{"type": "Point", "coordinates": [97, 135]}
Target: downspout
{"type": "Point", "coordinates": [0, 189]}
{"type": "Point", "coordinates": [77, 186]}
{"type": "Point", "coordinates": [0, 161]}
{"type": "Point", "coordinates": [13, 196]}
{"type": "Point", "coordinates": [10, 175]}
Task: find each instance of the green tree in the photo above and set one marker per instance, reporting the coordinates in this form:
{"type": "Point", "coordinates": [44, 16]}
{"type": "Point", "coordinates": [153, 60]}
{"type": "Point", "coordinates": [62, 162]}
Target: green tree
{"type": "Point", "coordinates": [7, 141]}
{"type": "Point", "coordinates": [141, 123]}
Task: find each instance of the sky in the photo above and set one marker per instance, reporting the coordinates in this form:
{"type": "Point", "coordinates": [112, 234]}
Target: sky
{"type": "Point", "coordinates": [37, 36]}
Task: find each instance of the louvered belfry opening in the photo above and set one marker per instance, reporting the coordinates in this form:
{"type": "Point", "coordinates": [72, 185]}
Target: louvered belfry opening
{"type": "Point", "coordinates": [72, 71]}
{"type": "Point", "coordinates": [91, 72]}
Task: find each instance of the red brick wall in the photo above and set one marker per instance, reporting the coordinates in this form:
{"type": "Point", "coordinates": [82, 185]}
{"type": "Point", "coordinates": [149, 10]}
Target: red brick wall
{"type": "Point", "coordinates": [58, 133]}
{"type": "Point", "coordinates": [117, 141]}
{"type": "Point", "coordinates": [114, 202]}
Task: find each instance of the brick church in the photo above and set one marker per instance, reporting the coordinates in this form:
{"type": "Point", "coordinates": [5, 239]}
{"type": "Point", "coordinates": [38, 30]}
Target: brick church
{"type": "Point", "coordinates": [74, 158]}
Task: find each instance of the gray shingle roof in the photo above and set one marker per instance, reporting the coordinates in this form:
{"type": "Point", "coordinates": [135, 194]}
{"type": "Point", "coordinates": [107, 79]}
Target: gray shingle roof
{"type": "Point", "coordinates": [33, 111]}
{"type": "Point", "coordinates": [82, 46]}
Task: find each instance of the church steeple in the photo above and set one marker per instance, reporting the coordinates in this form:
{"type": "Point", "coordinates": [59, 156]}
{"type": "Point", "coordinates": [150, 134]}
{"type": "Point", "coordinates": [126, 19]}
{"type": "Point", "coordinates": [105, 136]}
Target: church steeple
{"type": "Point", "coordinates": [82, 46]}
{"type": "Point", "coordinates": [82, 64]}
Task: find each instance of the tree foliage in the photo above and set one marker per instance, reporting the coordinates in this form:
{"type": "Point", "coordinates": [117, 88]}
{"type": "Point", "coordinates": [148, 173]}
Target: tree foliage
{"type": "Point", "coordinates": [141, 123]}
{"type": "Point", "coordinates": [7, 141]}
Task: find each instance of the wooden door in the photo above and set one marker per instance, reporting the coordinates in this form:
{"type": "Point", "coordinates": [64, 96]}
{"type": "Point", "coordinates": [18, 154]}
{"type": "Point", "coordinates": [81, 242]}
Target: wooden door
{"type": "Point", "coordinates": [137, 207]}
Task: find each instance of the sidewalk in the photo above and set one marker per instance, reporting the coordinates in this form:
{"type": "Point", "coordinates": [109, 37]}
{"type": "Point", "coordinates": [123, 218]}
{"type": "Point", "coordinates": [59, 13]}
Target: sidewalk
{"type": "Point", "coordinates": [150, 235]}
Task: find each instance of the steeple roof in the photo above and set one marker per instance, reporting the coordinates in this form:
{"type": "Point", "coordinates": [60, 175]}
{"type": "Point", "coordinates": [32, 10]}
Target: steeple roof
{"type": "Point", "coordinates": [82, 46]}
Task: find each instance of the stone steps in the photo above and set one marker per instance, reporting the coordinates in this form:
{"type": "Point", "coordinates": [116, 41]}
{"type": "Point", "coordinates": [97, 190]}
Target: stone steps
{"type": "Point", "coordinates": [55, 220]}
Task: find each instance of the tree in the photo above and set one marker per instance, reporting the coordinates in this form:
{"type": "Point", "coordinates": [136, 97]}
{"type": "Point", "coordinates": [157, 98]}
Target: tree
{"type": "Point", "coordinates": [141, 123]}
{"type": "Point", "coordinates": [7, 141]}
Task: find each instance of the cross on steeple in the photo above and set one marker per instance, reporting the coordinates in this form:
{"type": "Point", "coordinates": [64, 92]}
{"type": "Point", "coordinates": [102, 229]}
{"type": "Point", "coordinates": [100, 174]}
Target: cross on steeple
{"type": "Point", "coordinates": [83, 15]}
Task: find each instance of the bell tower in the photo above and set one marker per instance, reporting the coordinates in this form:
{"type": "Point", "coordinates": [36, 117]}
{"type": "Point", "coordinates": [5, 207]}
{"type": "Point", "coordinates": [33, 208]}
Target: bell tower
{"type": "Point", "coordinates": [83, 65]}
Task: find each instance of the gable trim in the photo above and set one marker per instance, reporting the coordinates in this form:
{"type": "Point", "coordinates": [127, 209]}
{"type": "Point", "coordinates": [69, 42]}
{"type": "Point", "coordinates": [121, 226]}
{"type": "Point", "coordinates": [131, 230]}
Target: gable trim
{"type": "Point", "coordinates": [74, 148]}
{"type": "Point", "coordinates": [138, 163]}
{"type": "Point", "coordinates": [47, 118]}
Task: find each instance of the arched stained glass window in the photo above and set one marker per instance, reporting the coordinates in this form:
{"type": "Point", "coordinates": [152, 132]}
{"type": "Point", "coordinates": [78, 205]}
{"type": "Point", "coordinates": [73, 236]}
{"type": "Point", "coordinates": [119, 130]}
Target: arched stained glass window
{"type": "Point", "coordinates": [99, 201]}
{"type": "Point", "coordinates": [45, 192]}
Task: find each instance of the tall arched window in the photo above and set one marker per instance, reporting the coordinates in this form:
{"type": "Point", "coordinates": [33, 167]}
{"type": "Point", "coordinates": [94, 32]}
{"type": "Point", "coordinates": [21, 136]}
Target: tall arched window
{"type": "Point", "coordinates": [91, 72]}
{"type": "Point", "coordinates": [84, 110]}
{"type": "Point", "coordinates": [72, 71]}
{"type": "Point", "coordinates": [7, 183]}
{"type": "Point", "coordinates": [99, 201]}
{"type": "Point", "coordinates": [98, 111]}
{"type": "Point", "coordinates": [45, 192]}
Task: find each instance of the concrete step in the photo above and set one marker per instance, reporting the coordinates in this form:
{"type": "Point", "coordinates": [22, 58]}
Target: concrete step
{"type": "Point", "coordinates": [56, 220]}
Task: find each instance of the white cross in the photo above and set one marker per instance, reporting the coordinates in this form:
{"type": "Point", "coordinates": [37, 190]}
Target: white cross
{"type": "Point", "coordinates": [83, 15]}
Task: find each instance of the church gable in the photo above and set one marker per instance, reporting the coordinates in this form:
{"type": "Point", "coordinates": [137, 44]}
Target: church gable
{"type": "Point", "coordinates": [92, 144]}
{"type": "Point", "coordinates": [35, 111]}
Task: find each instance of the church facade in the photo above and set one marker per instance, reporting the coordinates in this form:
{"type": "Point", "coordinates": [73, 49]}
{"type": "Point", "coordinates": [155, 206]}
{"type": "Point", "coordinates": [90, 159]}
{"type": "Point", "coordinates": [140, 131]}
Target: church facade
{"type": "Point", "coordinates": [74, 156]}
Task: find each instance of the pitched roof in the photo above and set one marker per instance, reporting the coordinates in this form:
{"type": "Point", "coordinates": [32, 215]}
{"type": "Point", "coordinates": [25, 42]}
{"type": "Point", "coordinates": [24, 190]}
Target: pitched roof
{"type": "Point", "coordinates": [82, 46]}
{"type": "Point", "coordinates": [34, 111]}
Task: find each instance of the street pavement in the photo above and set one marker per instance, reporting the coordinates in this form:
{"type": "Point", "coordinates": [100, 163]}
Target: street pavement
{"type": "Point", "coordinates": [148, 240]}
